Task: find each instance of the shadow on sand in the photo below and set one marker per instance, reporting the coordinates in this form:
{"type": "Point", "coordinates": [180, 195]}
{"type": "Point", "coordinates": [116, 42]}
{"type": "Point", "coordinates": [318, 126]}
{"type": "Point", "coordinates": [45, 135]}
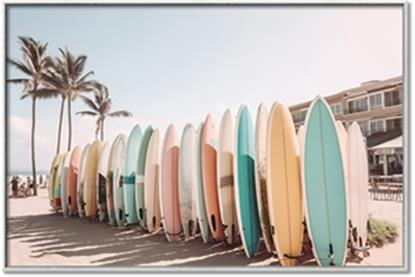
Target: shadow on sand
{"type": "Point", "coordinates": [106, 245]}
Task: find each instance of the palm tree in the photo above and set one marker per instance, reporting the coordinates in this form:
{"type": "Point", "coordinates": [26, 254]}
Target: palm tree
{"type": "Point", "coordinates": [100, 107]}
{"type": "Point", "coordinates": [67, 78]}
{"type": "Point", "coordinates": [34, 65]}
{"type": "Point", "coordinates": [52, 79]}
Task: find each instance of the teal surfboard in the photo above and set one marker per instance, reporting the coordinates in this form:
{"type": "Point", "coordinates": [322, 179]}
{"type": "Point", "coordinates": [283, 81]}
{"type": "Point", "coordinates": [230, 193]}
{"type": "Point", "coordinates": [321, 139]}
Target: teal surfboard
{"type": "Point", "coordinates": [244, 163]}
{"type": "Point", "coordinates": [324, 186]}
{"type": "Point", "coordinates": [139, 192]}
{"type": "Point", "coordinates": [131, 158]}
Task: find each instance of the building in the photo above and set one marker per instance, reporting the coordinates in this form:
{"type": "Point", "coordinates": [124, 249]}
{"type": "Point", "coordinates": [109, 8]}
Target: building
{"type": "Point", "coordinates": [376, 106]}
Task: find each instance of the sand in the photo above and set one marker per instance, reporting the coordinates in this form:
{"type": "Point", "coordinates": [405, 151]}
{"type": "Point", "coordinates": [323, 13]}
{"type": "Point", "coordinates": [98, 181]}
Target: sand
{"type": "Point", "coordinates": [36, 236]}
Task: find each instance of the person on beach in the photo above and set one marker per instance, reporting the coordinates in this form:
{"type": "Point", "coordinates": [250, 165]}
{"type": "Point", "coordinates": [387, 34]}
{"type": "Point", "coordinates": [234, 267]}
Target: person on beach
{"type": "Point", "coordinates": [15, 185]}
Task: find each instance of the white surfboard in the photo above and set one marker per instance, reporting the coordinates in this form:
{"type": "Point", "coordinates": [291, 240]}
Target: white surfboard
{"type": "Point", "coordinates": [344, 147]}
{"type": "Point", "coordinates": [64, 184]}
{"type": "Point", "coordinates": [187, 181]}
{"type": "Point", "coordinates": [261, 126]}
{"type": "Point", "coordinates": [226, 184]}
{"type": "Point", "coordinates": [201, 206]}
{"type": "Point", "coordinates": [117, 183]}
{"type": "Point", "coordinates": [152, 183]}
{"type": "Point", "coordinates": [81, 180]}
{"type": "Point", "coordinates": [358, 184]}
{"type": "Point", "coordinates": [101, 182]}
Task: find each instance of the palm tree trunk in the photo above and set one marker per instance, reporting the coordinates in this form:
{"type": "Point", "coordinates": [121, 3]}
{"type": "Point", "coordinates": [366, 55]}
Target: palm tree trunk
{"type": "Point", "coordinates": [69, 124]}
{"type": "Point", "coordinates": [102, 130]}
{"type": "Point", "coordinates": [58, 147]}
{"type": "Point", "coordinates": [33, 142]}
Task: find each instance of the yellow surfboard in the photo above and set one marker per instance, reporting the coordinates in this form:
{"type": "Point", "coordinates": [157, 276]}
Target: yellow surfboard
{"type": "Point", "coordinates": [284, 185]}
{"type": "Point", "coordinates": [90, 179]}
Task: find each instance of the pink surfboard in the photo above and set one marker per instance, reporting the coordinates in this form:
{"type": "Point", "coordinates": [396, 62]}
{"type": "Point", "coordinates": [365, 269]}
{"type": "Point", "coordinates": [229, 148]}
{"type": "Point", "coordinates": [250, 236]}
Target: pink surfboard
{"type": "Point", "coordinates": [209, 178]}
{"type": "Point", "coordinates": [169, 191]}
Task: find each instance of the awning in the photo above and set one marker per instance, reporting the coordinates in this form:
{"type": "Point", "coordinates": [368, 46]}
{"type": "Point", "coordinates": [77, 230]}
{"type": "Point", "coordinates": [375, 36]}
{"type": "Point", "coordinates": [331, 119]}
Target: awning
{"type": "Point", "coordinates": [393, 146]}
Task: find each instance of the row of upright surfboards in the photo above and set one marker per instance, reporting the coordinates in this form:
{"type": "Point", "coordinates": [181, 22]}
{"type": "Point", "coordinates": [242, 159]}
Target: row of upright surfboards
{"type": "Point", "coordinates": [238, 183]}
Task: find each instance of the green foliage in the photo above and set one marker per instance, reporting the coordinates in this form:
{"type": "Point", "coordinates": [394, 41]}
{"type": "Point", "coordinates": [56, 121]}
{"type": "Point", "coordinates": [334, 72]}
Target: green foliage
{"type": "Point", "coordinates": [380, 232]}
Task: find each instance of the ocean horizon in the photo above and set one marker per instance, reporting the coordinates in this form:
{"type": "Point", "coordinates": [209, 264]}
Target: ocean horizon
{"type": "Point", "coordinates": [24, 173]}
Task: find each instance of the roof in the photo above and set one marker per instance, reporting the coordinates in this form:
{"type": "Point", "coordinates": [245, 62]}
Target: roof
{"type": "Point", "coordinates": [393, 143]}
{"type": "Point", "coordinates": [368, 86]}
{"type": "Point", "coordinates": [381, 137]}
{"type": "Point", "coordinates": [390, 147]}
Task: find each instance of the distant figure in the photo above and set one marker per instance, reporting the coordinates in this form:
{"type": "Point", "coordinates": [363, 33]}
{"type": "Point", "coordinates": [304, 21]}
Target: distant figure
{"type": "Point", "coordinates": [15, 185]}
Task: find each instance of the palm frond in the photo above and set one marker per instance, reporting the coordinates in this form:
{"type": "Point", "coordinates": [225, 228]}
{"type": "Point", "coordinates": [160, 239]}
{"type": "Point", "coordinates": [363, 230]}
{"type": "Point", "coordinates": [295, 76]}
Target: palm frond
{"type": "Point", "coordinates": [25, 95]}
{"type": "Point", "coordinates": [18, 81]}
{"type": "Point", "coordinates": [44, 93]}
{"type": "Point", "coordinates": [89, 103]}
{"type": "Point", "coordinates": [87, 113]}
{"type": "Point", "coordinates": [21, 66]}
{"type": "Point", "coordinates": [82, 79]}
{"type": "Point", "coordinates": [52, 79]}
{"type": "Point", "coordinates": [79, 65]}
{"type": "Point", "coordinates": [122, 113]}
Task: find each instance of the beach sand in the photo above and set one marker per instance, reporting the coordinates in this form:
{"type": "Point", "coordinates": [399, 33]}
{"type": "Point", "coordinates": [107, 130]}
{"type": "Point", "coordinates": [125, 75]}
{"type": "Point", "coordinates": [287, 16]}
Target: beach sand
{"type": "Point", "coordinates": [36, 236]}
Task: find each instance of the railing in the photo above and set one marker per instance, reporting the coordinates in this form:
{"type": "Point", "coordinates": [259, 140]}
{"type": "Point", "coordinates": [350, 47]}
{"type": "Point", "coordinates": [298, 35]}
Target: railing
{"type": "Point", "coordinates": [386, 188]}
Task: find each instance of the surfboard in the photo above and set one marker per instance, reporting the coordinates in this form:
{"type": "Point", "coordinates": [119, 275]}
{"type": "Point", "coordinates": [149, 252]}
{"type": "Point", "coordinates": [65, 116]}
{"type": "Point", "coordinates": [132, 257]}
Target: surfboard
{"type": "Point", "coordinates": [130, 174]}
{"type": "Point", "coordinates": [73, 180]}
{"type": "Point", "coordinates": [101, 178]}
{"type": "Point", "coordinates": [358, 185]}
{"type": "Point", "coordinates": [209, 175]}
{"type": "Point", "coordinates": [52, 178]}
{"type": "Point", "coordinates": [200, 195]}
{"type": "Point", "coordinates": [112, 165]}
{"type": "Point", "coordinates": [300, 140]}
{"type": "Point", "coordinates": [57, 202]}
{"type": "Point", "coordinates": [225, 177]}
{"type": "Point", "coordinates": [261, 175]}
{"type": "Point", "coordinates": [343, 141]}
{"type": "Point", "coordinates": [81, 181]}
{"type": "Point", "coordinates": [140, 184]}
{"type": "Point", "coordinates": [169, 190]}
{"type": "Point", "coordinates": [187, 181]}
{"type": "Point", "coordinates": [324, 186]}
{"type": "Point", "coordinates": [284, 185]}
{"type": "Point", "coordinates": [152, 181]}
{"type": "Point", "coordinates": [64, 184]}
{"type": "Point", "coordinates": [90, 183]}
{"type": "Point", "coordinates": [245, 194]}
{"type": "Point", "coordinates": [118, 160]}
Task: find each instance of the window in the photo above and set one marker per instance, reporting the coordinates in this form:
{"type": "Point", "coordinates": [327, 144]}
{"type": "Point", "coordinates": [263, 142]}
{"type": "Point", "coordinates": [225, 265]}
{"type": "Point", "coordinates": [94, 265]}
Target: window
{"type": "Point", "coordinates": [299, 116]}
{"type": "Point", "coordinates": [359, 105]}
{"type": "Point", "coordinates": [394, 124]}
{"type": "Point", "coordinates": [376, 100]}
{"type": "Point", "coordinates": [377, 126]}
{"type": "Point", "coordinates": [336, 108]}
{"type": "Point", "coordinates": [364, 125]}
{"type": "Point", "coordinates": [392, 98]}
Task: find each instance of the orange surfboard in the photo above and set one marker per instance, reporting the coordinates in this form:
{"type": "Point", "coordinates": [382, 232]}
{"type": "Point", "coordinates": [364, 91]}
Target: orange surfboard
{"type": "Point", "coordinates": [169, 190]}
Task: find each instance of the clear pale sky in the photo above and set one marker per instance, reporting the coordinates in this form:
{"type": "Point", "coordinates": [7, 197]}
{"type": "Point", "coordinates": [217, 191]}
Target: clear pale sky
{"type": "Point", "coordinates": [177, 64]}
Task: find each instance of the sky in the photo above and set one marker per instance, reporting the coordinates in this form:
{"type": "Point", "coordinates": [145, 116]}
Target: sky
{"type": "Point", "coordinates": [176, 64]}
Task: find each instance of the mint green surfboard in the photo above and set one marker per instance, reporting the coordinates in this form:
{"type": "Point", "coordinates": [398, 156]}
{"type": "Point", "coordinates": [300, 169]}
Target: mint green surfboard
{"type": "Point", "coordinates": [141, 164]}
{"type": "Point", "coordinates": [131, 158]}
{"type": "Point", "coordinates": [244, 163]}
{"type": "Point", "coordinates": [324, 186]}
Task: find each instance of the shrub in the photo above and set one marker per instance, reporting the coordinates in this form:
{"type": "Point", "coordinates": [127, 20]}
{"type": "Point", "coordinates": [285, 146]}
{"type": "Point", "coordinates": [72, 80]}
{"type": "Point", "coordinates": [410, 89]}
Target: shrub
{"type": "Point", "coordinates": [380, 232]}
